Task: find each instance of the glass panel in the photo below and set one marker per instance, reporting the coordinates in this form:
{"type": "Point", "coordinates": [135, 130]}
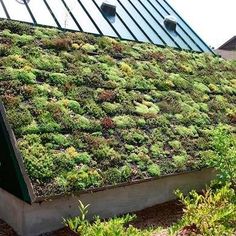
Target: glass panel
{"type": "Point", "coordinates": [180, 37]}
{"type": "Point", "coordinates": [41, 13]}
{"type": "Point", "coordinates": [81, 16]}
{"type": "Point", "coordinates": [2, 12]}
{"type": "Point", "coordinates": [159, 7]}
{"type": "Point", "coordinates": [138, 18]}
{"type": "Point", "coordinates": [17, 11]}
{"type": "Point", "coordinates": [118, 25]}
{"type": "Point", "coordinates": [167, 39]}
{"type": "Point", "coordinates": [130, 23]}
{"type": "Point", "coordinates": [187, 38]}
{"type": "Point", "coordinates": [62, 15]}
{"type": "Point", "coordinates": [193, 37]}
{"type": "Point", "coordinates": [98, 18]}
{"type": "Point", "coordinates": [160, 18]}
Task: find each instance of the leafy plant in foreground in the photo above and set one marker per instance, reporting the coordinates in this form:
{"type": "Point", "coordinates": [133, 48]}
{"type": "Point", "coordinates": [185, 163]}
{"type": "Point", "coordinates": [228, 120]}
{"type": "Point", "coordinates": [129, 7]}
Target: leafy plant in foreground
{"type": "Point", "coordinates": [223, 157]}
{"type": "Point", "coordinates": [213, 213]}
{"type": "Point", "coordinates": [117, 226]}
{"type": "Point", "coordinates": [210, 214]}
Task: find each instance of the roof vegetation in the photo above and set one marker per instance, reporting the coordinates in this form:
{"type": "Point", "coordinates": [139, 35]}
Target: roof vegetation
{"type": "Point", "coordinates": [93, 111]}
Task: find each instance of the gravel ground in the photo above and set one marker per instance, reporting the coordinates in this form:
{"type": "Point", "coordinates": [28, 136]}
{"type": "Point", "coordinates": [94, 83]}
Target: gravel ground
{"type": "Point", "coordinates": [162, 215]}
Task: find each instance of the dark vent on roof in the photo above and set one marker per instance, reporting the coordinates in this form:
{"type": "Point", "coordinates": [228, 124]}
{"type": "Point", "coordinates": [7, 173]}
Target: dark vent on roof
{"type": "Point", "coordinates": [108, 8]}
{"type": "Point", "coordinates": [170, 23]}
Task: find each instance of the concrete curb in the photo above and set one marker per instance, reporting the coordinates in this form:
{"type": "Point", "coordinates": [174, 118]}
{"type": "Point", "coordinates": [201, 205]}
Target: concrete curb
{"type": "Point", "coordinates": [38, 218]}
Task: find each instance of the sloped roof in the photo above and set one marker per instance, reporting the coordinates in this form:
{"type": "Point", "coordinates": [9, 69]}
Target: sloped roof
{"type": "Point", "coordinates": [134, 20]}
{"type": "Point", "coordinates": [229, 45]}
{"type": "Point", "coordinates": [92, 111]}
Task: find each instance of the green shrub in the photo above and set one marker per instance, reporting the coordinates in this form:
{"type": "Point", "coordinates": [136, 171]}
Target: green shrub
{"type": "Point", "coordinates": [223, 157]}
{"type": "Point", "coordinates": [83, 157]}
{"type": "Point", "coordinates": [139, 83]}
{"type": "Point", "coordinates": [117, 226]}
{"type": "Point", "coordinates": [142, 149]}
{"type": "Point", "coordinates": [228, 90]}
{"type": "Point", "coordinates": [23, 40]}
{"type": "Point", "coordinates": [218, 103]}
{"type": "Point", "coordinates": [106, 59]}
{"type": "Point", "coordinates": [210, 214]}
{"type": "Point", "coordinates": [203, 107]}
{"type": "Point", "coordinates": [63, 162]}
{"type": "Point", "coordinates": [46, 122]}
{"type": "Point", "coordinates": [50, 126]}
{"type": "Point", "coordinates": [141, 122]}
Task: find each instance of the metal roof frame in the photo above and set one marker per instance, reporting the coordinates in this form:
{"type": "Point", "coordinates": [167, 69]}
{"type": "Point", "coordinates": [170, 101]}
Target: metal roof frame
{"type": "Point", "coordinates": [134, 20]}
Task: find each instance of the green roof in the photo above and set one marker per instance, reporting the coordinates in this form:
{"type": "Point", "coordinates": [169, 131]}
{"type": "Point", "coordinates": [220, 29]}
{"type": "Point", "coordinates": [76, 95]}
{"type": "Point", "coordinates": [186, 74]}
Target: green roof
{"type": "Point", "coordinates": [92, 111]}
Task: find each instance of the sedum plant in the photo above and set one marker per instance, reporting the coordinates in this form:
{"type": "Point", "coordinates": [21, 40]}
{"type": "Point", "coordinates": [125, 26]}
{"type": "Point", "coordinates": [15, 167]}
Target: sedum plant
{"type": "Point", "coordinates": [154, 170]}
{"type": "Point", "coordinates": [115, 102]}
{"type": "Point", "coordinates": [179, 161]}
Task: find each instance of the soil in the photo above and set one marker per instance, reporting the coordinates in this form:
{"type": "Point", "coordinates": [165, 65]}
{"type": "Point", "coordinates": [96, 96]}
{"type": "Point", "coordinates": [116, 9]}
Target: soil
{"type": "Point", "coordinates": [6, 230]}
{"type": "Point", "coordinates": [162, 215]}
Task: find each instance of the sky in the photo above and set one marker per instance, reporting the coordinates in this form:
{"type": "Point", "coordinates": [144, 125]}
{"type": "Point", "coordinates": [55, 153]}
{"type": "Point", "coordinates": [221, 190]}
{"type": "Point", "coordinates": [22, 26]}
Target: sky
{"type": "Point", "coordinates": [213, 20]}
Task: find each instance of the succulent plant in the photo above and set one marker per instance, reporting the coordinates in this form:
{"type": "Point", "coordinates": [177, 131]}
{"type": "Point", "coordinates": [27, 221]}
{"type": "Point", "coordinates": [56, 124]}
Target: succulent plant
{"type": "Point", "coordinates": [89, 111]}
